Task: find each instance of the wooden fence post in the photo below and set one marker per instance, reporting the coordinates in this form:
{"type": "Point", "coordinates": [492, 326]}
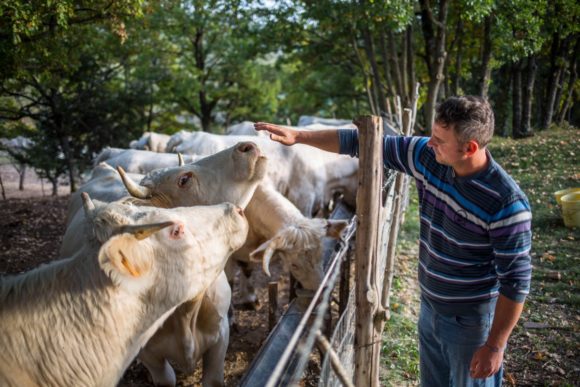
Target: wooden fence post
{"type": "Point", "coordinates": [395, 223]}
{"type": "Point", "coordinates": [368, 333]}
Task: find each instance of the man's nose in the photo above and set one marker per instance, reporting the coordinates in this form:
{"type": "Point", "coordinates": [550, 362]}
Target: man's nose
{"type": "Point", "coordinates": [430, 143]}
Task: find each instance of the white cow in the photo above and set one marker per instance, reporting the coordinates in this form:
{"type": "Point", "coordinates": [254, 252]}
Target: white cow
{"type": "Point", "coordinates": [231, 175]}
{"type": "Point", "coordinates": [105, 184]}
{"type": "Point", "coordinates": [80, 321]}
{"type": "Point", "coordinates": [196, 330]}
{"type": "Point", "coordinates": [177, 139]}
{"type": "Point", "coordinates": [227, 176]}
{"type": "Point", "coordinates": [309, 120]}
{"type": "Point", "coordinates": [245, 128]}
{"type": "Point", "coordinates": [307, 176]}
{"type": "Point", "coordinates": [151, 141]}
{"type": "Point", "coordinates": [140, 161]}
{"type": "Point", "coordinates": [277, 228]}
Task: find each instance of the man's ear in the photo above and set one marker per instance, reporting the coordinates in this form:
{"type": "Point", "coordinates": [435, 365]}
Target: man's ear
{"type": "Point", "coordinates": [124, 257]}
{"type": "Point", "coordinates": [471, 147]}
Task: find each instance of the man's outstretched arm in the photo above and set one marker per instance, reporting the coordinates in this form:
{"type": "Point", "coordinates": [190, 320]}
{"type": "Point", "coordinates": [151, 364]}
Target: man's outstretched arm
{"type": "Point", "coordinates": [322, 139]}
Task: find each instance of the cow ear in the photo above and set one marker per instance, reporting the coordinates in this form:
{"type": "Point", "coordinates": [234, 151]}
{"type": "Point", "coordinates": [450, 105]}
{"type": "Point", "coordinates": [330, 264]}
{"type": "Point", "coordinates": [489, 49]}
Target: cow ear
{"type": "Point", "coordinates": [124, 257]}
{"type": "Point", "coordinates": [334, 228]}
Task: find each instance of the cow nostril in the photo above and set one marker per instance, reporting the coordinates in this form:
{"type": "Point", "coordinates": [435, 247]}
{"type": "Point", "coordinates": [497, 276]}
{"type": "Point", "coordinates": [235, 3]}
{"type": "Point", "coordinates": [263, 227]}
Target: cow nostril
{"type": "Point", "coordinates": [246, 147]}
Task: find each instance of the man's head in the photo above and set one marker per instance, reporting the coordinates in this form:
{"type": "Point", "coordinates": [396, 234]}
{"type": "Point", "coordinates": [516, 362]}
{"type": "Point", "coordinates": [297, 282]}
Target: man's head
{"type": "Point", "coordinates": [463, 127]}
{"type": "Point", "coordinates": [470, 117]}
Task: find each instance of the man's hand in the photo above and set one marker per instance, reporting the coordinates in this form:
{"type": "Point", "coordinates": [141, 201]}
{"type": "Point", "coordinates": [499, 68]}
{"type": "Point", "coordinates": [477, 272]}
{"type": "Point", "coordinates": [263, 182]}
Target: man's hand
{"type": "Point", "coordinates": [485, 363]}
{"type": "Point", "coordinates": [278, 133]}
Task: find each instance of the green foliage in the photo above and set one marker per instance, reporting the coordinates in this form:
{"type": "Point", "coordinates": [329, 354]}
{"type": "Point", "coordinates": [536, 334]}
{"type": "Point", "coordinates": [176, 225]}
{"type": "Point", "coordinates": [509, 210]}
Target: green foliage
{"type": "Point", "coordinates": [519, 29]}
{"type": "Point", "coordinates": [476, 10]}
{"type": "Point", "coordinates": [28, 29]}
{"type": "Point", "coordinates": [208, 62]}
{"type": "Point", "coordinates": [99, 74]}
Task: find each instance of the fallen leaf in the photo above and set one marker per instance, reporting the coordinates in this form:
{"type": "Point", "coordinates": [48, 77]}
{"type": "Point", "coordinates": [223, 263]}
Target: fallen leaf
{"type": "Point", "coordinates": [510, 379]}
{"type": "Point", "coordinates": [548, 257]}
{"type": "Point", "coordinates": [538, 355]}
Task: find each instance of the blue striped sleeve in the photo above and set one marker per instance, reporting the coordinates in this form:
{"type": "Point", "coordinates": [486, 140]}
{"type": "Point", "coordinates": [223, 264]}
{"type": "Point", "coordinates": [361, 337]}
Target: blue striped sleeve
{"type": "Point", "coordinates": [511, 238]}
{"type": "Point", "coordinates": [399, 152]}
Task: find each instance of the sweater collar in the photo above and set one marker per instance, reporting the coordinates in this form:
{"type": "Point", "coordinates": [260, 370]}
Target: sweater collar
{"type": "Point", "coordinates": [451, 177]}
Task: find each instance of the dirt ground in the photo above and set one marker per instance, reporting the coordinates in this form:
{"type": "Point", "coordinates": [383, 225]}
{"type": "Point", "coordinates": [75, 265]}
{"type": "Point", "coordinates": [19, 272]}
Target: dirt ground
{"type": "Point", "coordinates": [31, 230]}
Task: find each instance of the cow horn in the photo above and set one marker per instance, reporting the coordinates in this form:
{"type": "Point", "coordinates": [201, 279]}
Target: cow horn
{"type": "Point", "coordinates": [88, 204]}
{"type": "Point", "coordinates": [180, 157]}
{"type": "Point", "coordinates": [143, 231]}
{"type": "Point", "coordinates": [133, 188]}
{"type": "Point", "coordinates": [267, 258]}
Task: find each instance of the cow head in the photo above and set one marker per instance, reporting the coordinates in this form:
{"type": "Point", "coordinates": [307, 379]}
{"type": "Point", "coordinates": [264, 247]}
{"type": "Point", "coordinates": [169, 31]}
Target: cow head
{"type": "Point", "coordinates": [227, 176]}
{"type": "Point", "coordinates": [156, 252]}
{"type": "Point", "coordinates": [300, 247]}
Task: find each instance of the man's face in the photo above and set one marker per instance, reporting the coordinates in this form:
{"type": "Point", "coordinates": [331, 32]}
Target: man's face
{"type": "Point", "coordinates": [443, 141]}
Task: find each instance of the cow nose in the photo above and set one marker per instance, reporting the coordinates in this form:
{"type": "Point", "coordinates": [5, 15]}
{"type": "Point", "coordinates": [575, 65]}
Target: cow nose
{"type": "Point", "coordinates": [246, 147]}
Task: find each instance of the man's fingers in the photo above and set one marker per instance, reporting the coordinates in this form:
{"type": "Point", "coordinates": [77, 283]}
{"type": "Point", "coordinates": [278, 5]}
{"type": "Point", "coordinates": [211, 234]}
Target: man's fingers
{"type": "Point", "coordinates": [275, 137]}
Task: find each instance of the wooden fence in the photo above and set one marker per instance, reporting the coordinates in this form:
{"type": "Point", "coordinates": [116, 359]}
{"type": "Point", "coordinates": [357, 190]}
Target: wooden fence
{"type": "Point", "coordinates": [351, 356]}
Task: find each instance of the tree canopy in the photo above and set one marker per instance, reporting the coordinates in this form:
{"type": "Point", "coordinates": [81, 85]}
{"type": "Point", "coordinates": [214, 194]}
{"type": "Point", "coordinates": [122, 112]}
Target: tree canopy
{"type": "Point", "coordinates": [80, 75]}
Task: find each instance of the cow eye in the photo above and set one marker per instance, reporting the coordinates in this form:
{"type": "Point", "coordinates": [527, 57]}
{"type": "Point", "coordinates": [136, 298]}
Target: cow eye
{"type": "Point", "coordinates": [184, 179]}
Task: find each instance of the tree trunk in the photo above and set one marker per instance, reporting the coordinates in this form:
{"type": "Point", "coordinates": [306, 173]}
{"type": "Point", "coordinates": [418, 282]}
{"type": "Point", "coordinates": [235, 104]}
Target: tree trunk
{"type": "Point", "coordinates": [404, 58]}
{"type": "Point", "coordinates": [205, 106]}
{"type": "Point", "coordinates": [517, 100]}
{"type": "Point", "coordinates": [372, 106]}
{"type": "Point", "coordinates": [503, 107]}
{"type": "Point", "coordinates": [529, 96]}
{"type": "Point", "coordinates": [411, 77]}
{"type": "Point", "coordinates": [395, 65]}
{"type": "Point", "coordinates": [539, 106]}
{"type": "Point", "coordinates": [485, 73]}
{"type": "Point", "coordinates": [428, 33]}
{"type": "Point", "coordinates": [2, 186]}
{"type": "Point", "coordinates": [458, 58]}
{"type": "Point", "coordinates": [377, 84]}
{"type": "Point", "coordinates": [571, 82]}
{"type": "Point", "coordinates": [552, 82]}
{"type": "Point", "coordinates": [438, 55]}
{"type": "Point", "coordinates": [445, 90]}
{"type": "Point", "coordinates": [54, 182]}
{"type": "Point", "coordinates": [69, 162]}
{"type": "Point", "coordinates": [565, 63]}
{"type": "Point", "coordinates": [391, 92]}
{"type": "Point", "coordinates": [21, 175]}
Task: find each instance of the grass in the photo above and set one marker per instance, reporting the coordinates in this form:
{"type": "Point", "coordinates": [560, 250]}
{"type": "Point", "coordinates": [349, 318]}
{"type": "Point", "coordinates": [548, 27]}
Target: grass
{"type": "Point", "coordinates": [544, 345]}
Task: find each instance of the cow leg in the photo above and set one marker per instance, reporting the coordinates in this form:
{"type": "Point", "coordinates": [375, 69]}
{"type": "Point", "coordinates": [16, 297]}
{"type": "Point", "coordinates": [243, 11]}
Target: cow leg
{"type": "Point", "coordinates": [248, 300]}
{"type": "Point", "coordinates": [214, 359]}
{"type": "Point", "coordinates": [230, 271]}
{"type": "Point", "coordinates": [159, 369]}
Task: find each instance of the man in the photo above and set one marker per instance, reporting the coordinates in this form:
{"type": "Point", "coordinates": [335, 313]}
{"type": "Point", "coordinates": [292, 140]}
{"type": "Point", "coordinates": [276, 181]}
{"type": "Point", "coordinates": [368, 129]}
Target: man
{"type": "Point", "coordinates": [474, 262]}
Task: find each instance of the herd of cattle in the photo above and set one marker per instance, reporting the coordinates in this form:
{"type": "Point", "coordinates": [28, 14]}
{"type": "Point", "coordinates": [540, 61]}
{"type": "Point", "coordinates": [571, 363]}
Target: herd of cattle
{"type": "Point", "coordinates": [152, 246]}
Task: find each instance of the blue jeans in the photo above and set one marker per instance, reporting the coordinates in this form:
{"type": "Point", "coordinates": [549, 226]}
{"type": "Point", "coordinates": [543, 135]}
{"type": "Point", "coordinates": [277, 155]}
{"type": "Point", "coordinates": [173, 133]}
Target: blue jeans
{"type": "Point", "coordinates": [446, 346]}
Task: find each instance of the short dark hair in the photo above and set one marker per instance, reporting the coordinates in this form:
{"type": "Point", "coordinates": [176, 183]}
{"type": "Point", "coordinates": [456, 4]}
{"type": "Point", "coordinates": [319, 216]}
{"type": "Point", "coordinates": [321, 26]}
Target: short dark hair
{"type": "Point", "coordinates": [470, 117]}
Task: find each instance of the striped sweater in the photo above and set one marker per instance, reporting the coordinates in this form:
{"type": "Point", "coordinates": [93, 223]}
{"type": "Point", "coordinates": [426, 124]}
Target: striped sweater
{"type": "Point", "coordinates": [475, 231]}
